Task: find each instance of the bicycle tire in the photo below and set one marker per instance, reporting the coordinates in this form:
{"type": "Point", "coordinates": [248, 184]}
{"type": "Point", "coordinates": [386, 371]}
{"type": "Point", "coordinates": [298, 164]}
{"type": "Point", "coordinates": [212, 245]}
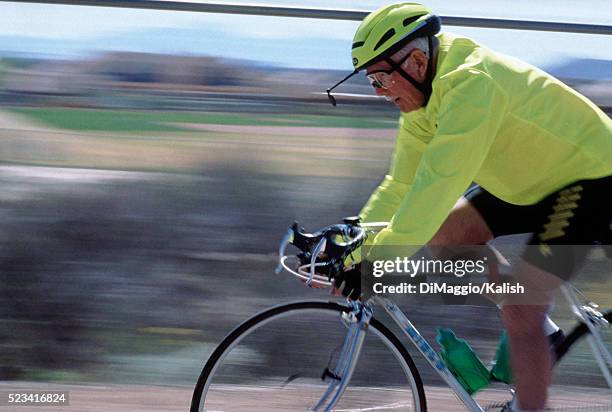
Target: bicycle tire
{"type": "Point", "coordinates": [574, 336]}
{"type": "Point", "coordinates": [247, 327]}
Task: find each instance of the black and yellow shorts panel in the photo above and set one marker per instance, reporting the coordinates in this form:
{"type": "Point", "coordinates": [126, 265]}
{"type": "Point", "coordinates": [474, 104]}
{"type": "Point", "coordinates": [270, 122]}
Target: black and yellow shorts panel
{"type": "Point", "coordinates": [564, 225]}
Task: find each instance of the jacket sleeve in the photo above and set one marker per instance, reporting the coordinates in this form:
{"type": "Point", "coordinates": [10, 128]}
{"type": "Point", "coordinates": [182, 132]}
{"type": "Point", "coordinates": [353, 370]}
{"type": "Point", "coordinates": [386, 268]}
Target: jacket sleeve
{"type": "Point", "coordinates": [470, 114]}
{"type": "Point", "coordinates": [384, 201]}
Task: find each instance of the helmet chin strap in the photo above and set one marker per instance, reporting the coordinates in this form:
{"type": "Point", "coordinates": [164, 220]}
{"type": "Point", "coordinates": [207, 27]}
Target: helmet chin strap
{"type": "Point", "coordinates": [424, 87]}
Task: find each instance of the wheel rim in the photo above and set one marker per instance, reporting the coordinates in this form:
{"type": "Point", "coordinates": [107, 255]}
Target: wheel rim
{"type": "Point", "coordinates": [264, 382]}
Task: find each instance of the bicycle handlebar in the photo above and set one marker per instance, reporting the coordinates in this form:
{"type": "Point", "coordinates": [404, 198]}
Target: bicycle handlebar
{"type": "Point", "coordinates": [336, 242]}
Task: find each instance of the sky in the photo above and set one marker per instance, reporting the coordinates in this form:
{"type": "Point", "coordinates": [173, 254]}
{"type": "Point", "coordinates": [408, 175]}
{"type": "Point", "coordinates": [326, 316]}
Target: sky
{"type": "Point", "coordinates": [71, 31]}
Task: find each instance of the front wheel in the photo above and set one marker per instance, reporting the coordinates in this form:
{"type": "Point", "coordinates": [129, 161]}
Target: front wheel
{"type": "Point", "coordinates": [275, 362]}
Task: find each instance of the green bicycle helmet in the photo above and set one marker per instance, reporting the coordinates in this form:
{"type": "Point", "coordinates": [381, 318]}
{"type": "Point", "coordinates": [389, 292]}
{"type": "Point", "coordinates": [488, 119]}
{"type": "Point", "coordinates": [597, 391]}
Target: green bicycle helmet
{"type": "Point", "coordinates": [384, 32]}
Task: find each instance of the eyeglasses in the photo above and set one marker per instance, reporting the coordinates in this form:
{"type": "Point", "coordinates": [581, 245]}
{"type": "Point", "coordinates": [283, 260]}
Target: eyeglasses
{"type": "Point", "coordinates": [381, 79]}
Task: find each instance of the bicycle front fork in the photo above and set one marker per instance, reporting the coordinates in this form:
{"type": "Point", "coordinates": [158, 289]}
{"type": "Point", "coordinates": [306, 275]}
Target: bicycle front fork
{"type": "Point", "coordinates": [357, 322]}
{"type": "Point", "coordinates": [594, 320]}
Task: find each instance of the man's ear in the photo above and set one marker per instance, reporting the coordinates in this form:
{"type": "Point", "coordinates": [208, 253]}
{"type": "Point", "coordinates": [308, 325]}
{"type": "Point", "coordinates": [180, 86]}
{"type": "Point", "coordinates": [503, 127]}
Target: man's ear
{"type": "Point", "coordinates": [419, 62]}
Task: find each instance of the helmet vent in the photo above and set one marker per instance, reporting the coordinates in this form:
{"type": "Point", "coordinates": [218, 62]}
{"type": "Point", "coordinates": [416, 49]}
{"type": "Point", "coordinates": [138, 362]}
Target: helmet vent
{"type": "Point", "coordinates": [410, 20]}
{"type": "Point", "coordinates": [390, 33]}
{"type": "Point", "coordinates": [357, 44]}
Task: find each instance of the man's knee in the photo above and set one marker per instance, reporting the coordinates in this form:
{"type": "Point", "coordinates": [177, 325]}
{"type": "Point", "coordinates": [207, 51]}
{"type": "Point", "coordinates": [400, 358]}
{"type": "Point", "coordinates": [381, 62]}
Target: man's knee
{"type": "Point", "coordinates": [463, 226]}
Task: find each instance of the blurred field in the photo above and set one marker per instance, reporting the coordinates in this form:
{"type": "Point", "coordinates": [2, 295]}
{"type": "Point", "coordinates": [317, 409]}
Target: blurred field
{"type": "Point", "coordinates": [144, 121]}
{"type": "Point", "coordinates": [132, 242]}
{"type": "Point", "coordinates": [332, 150]}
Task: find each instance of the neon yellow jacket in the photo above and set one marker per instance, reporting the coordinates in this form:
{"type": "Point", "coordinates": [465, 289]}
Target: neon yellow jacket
{"type": "Point", "coordinates": [518, 132]}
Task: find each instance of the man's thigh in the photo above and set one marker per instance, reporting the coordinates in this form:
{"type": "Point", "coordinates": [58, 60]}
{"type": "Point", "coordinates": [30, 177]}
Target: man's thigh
{"type": "Point", "coordinates": [463, 226]}
{"type": "Point", "coordinates": [479, 217]}
{"type": "Point", "coordinates": [503, 218]}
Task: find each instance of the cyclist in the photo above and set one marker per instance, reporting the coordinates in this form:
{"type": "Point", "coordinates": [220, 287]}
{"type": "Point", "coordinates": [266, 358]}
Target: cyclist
{"type": "Point", "coordinates": [540, 153]}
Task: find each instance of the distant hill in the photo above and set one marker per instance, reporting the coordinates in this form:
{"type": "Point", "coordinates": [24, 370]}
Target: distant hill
{"type": "Point", "coordinates": [583, 69]}
{"type": "Point", "coordinates": [306, 52]}
{"type": "Point", "coordinates": [159, 56]}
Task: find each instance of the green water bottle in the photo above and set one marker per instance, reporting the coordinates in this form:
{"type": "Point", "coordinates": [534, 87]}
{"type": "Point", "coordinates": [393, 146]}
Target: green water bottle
{"type": "Point", "coordinates": [501, 370]}
{"type": "Point", "coordinates": [462, 361]}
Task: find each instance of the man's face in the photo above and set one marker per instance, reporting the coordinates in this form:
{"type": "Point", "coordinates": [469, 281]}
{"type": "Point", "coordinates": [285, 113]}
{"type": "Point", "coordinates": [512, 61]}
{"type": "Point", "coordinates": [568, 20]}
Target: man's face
{"type": "Point", "coordinates": [397, 89]}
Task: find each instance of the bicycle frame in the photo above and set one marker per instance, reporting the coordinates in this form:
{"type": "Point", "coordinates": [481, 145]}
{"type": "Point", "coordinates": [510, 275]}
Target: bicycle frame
{"type": "Point", "coordinates": [356, 334]}
{"type": "Point", "coordinates": [428, 352]}
{"type": "Point", "coordinates": [584, 310]}
{"type": "Point", "coordinates": [352, 347]}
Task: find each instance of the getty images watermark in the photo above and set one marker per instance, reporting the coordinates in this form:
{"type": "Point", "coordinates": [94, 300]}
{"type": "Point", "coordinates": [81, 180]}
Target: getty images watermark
{"type": "Point", "coordinates": [511, 273]}
{"type": "Point", "coordinates": [453, 275]}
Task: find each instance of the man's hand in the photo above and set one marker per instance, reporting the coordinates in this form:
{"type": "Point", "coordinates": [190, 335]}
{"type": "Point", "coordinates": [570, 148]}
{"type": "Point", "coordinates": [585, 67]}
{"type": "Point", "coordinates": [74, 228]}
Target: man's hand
{"type": "Point", "coordinates": [348, 283]}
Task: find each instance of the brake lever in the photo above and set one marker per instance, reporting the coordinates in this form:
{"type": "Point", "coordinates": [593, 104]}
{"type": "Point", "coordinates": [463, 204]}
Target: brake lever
{"type": "Point", "coordinates": [288, 238]}
{"type": "Point", "coordinates": [315, 253]}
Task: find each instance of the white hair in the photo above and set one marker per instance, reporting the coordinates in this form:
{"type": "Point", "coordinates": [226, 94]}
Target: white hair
{"type": "Point", "coordinates": [418, 43]}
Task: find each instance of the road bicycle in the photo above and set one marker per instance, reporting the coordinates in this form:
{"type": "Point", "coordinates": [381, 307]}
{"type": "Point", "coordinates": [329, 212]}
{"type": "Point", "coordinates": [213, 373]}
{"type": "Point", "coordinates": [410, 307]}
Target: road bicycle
{"type": "Point", "coordinates": [336, 356]}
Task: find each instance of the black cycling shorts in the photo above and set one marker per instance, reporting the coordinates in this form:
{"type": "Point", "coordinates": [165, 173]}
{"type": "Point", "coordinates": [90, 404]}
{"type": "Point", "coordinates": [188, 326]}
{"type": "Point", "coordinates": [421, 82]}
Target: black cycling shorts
{"type": "Point", "coordinates": [564, 225]}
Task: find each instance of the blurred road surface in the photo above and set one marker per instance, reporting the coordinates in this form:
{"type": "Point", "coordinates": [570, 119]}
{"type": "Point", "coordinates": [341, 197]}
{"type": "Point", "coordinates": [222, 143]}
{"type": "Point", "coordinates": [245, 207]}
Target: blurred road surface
{"type": "Point", "coordinates": [112, 398]}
